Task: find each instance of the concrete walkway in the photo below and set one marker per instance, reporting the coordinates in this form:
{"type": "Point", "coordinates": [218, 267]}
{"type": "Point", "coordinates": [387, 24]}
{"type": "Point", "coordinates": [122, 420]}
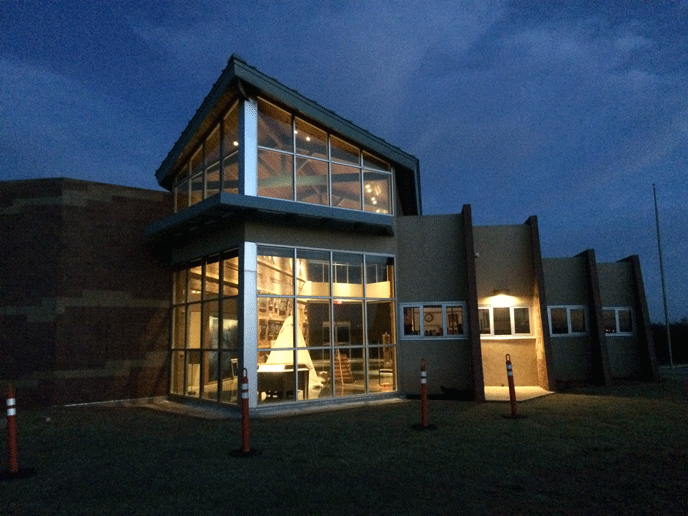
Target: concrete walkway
{"type": "Point", "coordinates": [522, 393]}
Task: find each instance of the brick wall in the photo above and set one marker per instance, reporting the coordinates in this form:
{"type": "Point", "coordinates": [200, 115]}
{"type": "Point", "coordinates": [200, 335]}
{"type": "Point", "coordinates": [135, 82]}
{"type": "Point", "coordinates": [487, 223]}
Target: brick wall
{"type": "Point", "coordinates": [84, 310]}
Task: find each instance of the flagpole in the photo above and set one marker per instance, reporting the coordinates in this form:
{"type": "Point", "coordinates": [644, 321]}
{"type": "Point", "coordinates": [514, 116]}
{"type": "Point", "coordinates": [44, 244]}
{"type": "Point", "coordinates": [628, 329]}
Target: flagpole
{"type": "Point", "coordinates": [661, 272]}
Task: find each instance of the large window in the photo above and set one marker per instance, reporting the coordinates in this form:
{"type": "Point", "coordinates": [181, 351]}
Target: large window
{"type": "Point", "coordinates": [436, 320]}
{"type": "Point", "coordinates": [296, 160]}
{"type": "Point", "coordinates": [300, 161]}
{"type": "Point", "coordinates": [213, 166]}
{"type": "Point", "coordinates": [568, 320]}
{"type": "Point", "coordinates": [504, 321]}
{"type": "Point", "coordinates": [204, 329]}
{"type": "Point", "coordinates": [325, 324]}
{"type": "Point", "coordinates": [618, 320]}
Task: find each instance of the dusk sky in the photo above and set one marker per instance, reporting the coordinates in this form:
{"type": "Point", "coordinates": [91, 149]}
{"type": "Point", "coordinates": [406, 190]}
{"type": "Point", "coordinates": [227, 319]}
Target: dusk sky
{"type": "Point", "coordinates": [569, 111]}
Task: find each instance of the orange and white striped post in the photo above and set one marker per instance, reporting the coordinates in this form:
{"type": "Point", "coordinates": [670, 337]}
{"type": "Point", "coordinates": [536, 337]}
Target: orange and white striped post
{"type": "Point", "coordinates": [512, 390]}
{"type": "Point", "coordinates": [424, 425]}
{"type": "Point", "coordinates": [245, 423]}
{"type": "Point", "coordinates": [245, 450]}
{"type": "Point", "coordinates": [423, 395]}
{"type": "Point", "coordinates": [12, 454]}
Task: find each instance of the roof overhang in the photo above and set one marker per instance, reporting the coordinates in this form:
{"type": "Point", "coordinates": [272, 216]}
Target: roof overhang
{"type": "Point", "coordinates": [240, 80]}
{"type": "Point", "coordinates": [224, 206]}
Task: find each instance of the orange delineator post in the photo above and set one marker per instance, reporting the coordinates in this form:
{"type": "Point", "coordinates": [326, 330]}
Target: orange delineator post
{"type": "Point", "coordinates": [245, 425]}
{"type": "Point", "coordinates": [12, 455]}
{"type": "Point", "coordinates": [512, 389]}
{"type": "Point", "coordinates": [423, 396]}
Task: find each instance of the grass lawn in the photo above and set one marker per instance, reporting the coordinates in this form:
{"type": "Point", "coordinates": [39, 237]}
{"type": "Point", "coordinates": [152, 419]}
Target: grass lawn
{"type": "Point", "coordinates": [622, 450]}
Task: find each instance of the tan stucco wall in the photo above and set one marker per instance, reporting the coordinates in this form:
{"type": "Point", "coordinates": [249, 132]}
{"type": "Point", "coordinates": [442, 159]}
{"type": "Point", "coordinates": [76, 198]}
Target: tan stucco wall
{"type": "Point", "coordinates": [431, 258]}
{"type": "Point", "coordinates": [616, 289]}
{"type": "Point", "coordinates": [431, 267]}
{"type": "Point", "coordinates": [616, 283]}
{"type": "Point", "coordinates": [572, 357]}
{"type": "Point", "coordinates": [624, 356]}
{"type": "Point", "coordinates": [523, 360]}
{"type": "Point", "coordinates": [504, 261]}
{"type": "Point", "coordinates": [565, 281]}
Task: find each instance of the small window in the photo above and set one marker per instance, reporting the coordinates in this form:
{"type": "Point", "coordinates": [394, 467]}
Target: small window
{"type": "Point", "coordinates": [484, 317]}
{"type": "Point", "coordinates": [433, 321]}
{"type": "Point", "coordinates": [618, 321]}
{"type": "Point", "coordinates": [567, 320]}
{"type": "Point", "coordinates": [577, 317]}
{"type": "Point", "coordinates": [559, 324]}
{"type": "Point", "coordinates": [521, 321]}
{"type": "Point", "coordinates": [504, 321]}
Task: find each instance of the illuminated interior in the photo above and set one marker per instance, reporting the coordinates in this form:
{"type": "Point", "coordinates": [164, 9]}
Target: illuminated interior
{"type": "Point", "coordinates": [325, 324]}
{"type": "Point", "coordinates": [214, 164]}
{"type": "Point", "coordinates": [205, 329]}
{"type": "Point", "coordinates": [296, 161]}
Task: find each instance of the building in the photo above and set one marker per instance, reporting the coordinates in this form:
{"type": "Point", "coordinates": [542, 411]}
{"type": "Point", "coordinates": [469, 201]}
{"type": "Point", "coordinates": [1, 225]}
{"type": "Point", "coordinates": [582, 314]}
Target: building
{"type": "Point", "coordinates": [292, 246]}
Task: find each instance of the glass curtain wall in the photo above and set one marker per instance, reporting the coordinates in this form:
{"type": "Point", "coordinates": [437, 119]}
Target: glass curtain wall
{"type": "Point", "coordinates": [214, 164]}
{"type": "Point", "coordinates": [205, 328]}
{"type": "Point", "coordinates": [299, 161]}
{"type": "Point", "coordinates": [325, 324]}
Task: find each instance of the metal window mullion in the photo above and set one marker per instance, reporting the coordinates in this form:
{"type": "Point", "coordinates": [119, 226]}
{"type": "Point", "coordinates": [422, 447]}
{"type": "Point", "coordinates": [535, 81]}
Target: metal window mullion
{"type": "Point", "coordinates": [220, 304]}
{"type": "Point", "coordinates": [366, 344]}
{"type": "Point", "coordinates": [392, 192]}
{"type": "Point", "coordinates": [204, 176]}
{"type": "Point", "coordinates": [362, 182]}
{"type": "Point", "coordinates": [221, 151]}
{"type": "Point", "coordinates": [332, 340]}
{"type": "Point", "coordinates": [172, 322]}
{"type": "Point", "coordinates": [329, 169]}
{"type": "Point", "coordinates": [295, 352]}
{"type": "Point", "coordinates": [293, 166]}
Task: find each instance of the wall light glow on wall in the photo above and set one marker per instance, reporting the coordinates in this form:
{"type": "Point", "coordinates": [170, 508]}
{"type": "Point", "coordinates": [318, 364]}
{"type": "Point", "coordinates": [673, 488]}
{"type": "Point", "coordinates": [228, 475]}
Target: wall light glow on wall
{"type": "Point", "coordinates": [502, 299]}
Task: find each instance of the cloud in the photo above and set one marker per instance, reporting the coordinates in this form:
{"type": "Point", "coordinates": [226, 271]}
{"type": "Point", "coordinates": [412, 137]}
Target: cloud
{"type": "Point", "coordinates": [57, 126]}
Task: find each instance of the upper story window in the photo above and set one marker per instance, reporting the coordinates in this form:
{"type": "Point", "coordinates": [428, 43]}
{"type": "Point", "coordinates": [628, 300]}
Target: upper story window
{"type": "Point", "coordinates": [300, 161]}
{"type": "Point", "coordinates": [296, 161]}
{"type": "Point", "coordinates": [618, 320]}
{"type": "Point", "coordinates": [568, 320]}
{"type": "Point", "coordinates": [214, 164]}
{"type": "Point", "coordinates": [434, 320]}
{"type": "Point", "coordinates": [504, 321]}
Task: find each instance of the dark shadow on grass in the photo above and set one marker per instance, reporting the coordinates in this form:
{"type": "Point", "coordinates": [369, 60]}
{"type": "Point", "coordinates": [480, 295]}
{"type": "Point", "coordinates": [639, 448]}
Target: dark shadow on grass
{"type": "Point", "coordinates": [669, 387]}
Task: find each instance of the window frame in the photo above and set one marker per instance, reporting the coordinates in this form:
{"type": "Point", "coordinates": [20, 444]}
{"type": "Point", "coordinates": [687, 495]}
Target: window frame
{"type": "Point", "coordinates": [366, 163]}
{"type": "Point", "coordinates": [335, 299]}
{"type": "Point", "coordinates": [512, 321]}
{"type": "Point", "coordinates": [617, 310]}
{"type": "Point", "coordinates": [421, 331]}
{"type": "Point", "coordinates": [569, 323]}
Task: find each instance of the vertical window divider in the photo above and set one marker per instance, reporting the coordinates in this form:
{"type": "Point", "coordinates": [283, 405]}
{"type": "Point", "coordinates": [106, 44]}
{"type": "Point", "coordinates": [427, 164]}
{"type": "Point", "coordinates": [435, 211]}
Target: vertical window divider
{"type": "Point", "coordinates": [329, 169]}
{"type": "Point", "coordinates": [221, 152]}
{"type": "Point", "coordinates": [362, 182]}
{"type": "Point", "coordinates": [293, 158]}
{"type": "Point", "coordinates": [332, 329]}
{"type": "Point", "coordinates": [204, 175]}
{"type": "Point", "coordinates": [366, 348]}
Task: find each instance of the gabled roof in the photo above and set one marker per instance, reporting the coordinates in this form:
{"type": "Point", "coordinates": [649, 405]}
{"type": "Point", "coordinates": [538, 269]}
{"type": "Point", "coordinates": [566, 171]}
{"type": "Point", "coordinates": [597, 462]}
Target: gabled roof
{"type": "Point", "coordinates": [239, 79]}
